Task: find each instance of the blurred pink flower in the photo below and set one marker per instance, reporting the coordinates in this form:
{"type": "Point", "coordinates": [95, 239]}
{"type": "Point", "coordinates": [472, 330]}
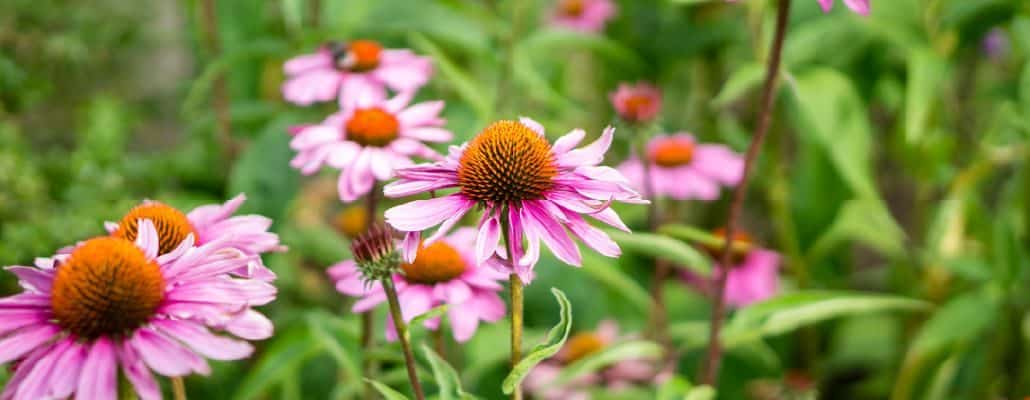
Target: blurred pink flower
{"type": "Point", "coordinates": [515, 175]}
{"type": "Point", "coordinates": [114, 303]}
{"type": "Point", "coordinates": [209, 223]}
{"type": "Point", "coordinates": [637, 103]}
{"type": "Point", "coordinates": [444, 272]}
{"type": "Point", "coordinates": [858, 6]}
{"type": "Point", "coordinates": [996, 44]}
{"type": "Point", "coordinates": [753, 277]}
{"type": "Point", "coordinates": [620, 375]}
{"type": "Point", "coordinates": [340, 70]}
{"type": "Point", "coordinates": [587, 16]}
{"type": "Point", "coordinates": [685, 170]}
{"type": "Point", "coordinates": [368, 139]}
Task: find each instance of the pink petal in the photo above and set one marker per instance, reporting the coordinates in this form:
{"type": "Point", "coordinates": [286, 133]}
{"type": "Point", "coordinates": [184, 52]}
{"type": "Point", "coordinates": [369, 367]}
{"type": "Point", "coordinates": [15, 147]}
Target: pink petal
{"type": "Point", "coordinates": [826, 4]}
{"type": "Point", "coordinates": [463, 323]}
{"type": "Point", "coordinates": [591, 154]}
{"type": "Point", "coordinates": [429, 134]}
{"type": "Point", "coordinates": [420, 113]}
{"type": "Point", "coordinates": [166, 357]}
{"type": "Point", "coordinates": [99, 379]}
{"type": "Point", "coordinates": [859, 6]}
{"type": "Point", "coordinates": [313, 86]}
{"type": "Point", "coordinates": [138, 374]}
{"type": "Point", "coordinates": [423, 214]}
{"type": "Point", "coordinates": [532, 125]}
{"type": "Point", "coordinates": [65, 378]}
{"type": "Point", "coordinates": [488, 239]}
{"type": "Point", "coordinates": [35, 384]}
{"type": "Point", "coordinates": [147, 239]}
{"type": "Point", "coordinates": [552, 233]}
{"type": "Point", "coordinates": [33, 279]}
{"type": "Point", "coordinates": [569, 141]}
{"type": "Point", "coordinates": [251, 325]}
{"type": "Point", "coordinates": [25, 340]}
{"type": "Point", "coordinates": [204, 342]}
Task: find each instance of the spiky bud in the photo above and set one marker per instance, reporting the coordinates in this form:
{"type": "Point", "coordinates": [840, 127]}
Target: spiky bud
{"type": "Point", "coordinates": [375, 253]}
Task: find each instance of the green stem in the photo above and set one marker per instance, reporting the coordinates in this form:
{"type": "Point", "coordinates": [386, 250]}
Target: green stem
{"type": "Point", "coordinates": [368, 365]}
{"type": "Point", "coordinates": [516, 302]}
{"type": "Point", "coordinates": [659, 315]}
{"type": "Point", "coordinates": [402, 336]}
{"type": "Point", "coordinates": [178, 388]}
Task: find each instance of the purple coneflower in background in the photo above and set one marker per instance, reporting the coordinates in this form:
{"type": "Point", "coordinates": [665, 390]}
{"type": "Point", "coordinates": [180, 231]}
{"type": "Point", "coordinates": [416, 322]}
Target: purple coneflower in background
{"type": "Point", "coordinates": [339, 70]}
{"type": "Point", "coordinates": [535, 190]}
{"type": "Point", "coordinates": [368, 139]}
{"type": "Point", "coordinates": [753, 277]}
{"type": "Point", "coordinates": [587, 16]}
{"type": "Point", "coordinates": [683, 169]}
{"type": "Point", "coordinates": [112, 303]}
{"type": "Point", "coordinates": [637, 103]}
{"type": "Point", "coordinates": [444, 272]}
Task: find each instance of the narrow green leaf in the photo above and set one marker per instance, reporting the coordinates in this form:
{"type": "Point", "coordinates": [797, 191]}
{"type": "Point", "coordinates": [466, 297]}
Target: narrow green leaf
{"type": "Point", "coordinates": [704, 392]}
{"type": "Point", "coordinates": [960, 319]}
{"type": "Point", "coordinates": [607, 273]}
{"type": "Point", "coordinates": [387, 392]}
{"type": "Point", "coordinates": [741, 81]}
{"type": "Point", "coordinates": [863, 220]}
{"type": "Point", "coordinates": [286, 353]}
{"type": "Point", "coordinates": [680, 254]}
{"type": "Point", "coordinates": [691, 234]}
{"type": "Point", "coordinates": [331, 341]}
{"type": "Point", "coordinates": [676, 388]}
{"type": "Point", "coordinates": [467, 88]}
{"type": "Point", "coordinates": [548, 347]}
{"type": "Point", "coordinates": [418, 321]}
{"type": "Point", "coordinates": [926, 74]}
{"type": "Point", "coordinates": [637, 349]}
{"type": "Point", "coordinates": [447, 379]}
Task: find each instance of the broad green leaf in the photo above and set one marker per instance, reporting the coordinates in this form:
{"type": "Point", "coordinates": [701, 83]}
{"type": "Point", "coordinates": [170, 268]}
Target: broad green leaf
{"type": "Point", "coordinates": [387, 392]}
{"type": "Point", "coordinates": [835, 40]}
{"type": "Point", "coordinates": [704, 392]}
{"type": "Point", "coordinates": [631, 350]}
{"type": "Point", "coordinates": [745, 78]}
{"type": "Point", "coordinates": [680, 254]}
{"type": "Point", "coordinates": [286, 353]}
{"type": "Point", "coordinates": [548, 347]}
{"type": "Point", "coordinates": [447, 379]}
{"type": "Point", "coordinates": [609, 274]}
{"type": "Point", "coordinates": [341, 346]}
{"type": "Point", "coordinates": [676, 388]}
{"type": "Point", "coordinates": [791, 311]}
{"type": "Point", "coordinates": [832, 114]}
{"type": "Point", "coordinates": [263, 173]}
{"type": "Point", "coordinates": [961, 319]}
{"type": "Point", "coordinates": [474, 94]}
{"type": "Point", "coordinates": [863, 220]}
{"type": "Point", "coordinates": [927, 74]}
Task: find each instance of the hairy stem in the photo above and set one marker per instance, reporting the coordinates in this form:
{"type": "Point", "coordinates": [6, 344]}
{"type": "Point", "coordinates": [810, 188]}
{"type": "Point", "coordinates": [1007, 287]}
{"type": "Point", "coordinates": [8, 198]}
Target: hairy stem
{"type": "Point", "coordinates": [516, 302]}
{"type": "Point", "coordinates": [368, 365]}
{"type": "Point", "coordinates": [402, 335]}
{"type": "Point", "coordinates": [713, 359]}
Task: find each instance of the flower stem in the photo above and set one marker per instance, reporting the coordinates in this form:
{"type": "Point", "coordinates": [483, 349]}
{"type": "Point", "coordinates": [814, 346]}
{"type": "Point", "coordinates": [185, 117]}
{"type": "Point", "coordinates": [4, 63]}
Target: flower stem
{"type": "Point", "coordinates": [659, 315]}
{"type": "Point", "coordinates": [178, 388]}
{"type": "Point", "coordinates": [368, 364]}
{"type": "Point", "coordinates": [710, 369]}
{"type": "Point", "coordinates": [516, 301]}
{"type": "Point", "coordinates": [402, 335]}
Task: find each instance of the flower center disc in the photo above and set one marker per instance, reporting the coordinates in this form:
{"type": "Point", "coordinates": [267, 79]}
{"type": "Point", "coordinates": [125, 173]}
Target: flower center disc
{"type": "Point", "coordinates": [372, 127]}
{"type": "Point", "coordinates": [673, 153]}
{"type": "Point", "coordinates": [636, 106]}
{"type": "Point", "coordinates": [171, 224]}
{"type": "Point", "coordinates": [360, 56]}
{"type": "Point", "coordinates": [738, 236]}
{"type": "Point", "coordinates": [107, 287]}
{"type": "Point", "coordinates": [582, 345]}
{"type": "Point", "coordinates": [436, 263]}
{"type": "Point", "coordinates": [505, 163]}
{"type": "Point", "coordinates": [572, 8]}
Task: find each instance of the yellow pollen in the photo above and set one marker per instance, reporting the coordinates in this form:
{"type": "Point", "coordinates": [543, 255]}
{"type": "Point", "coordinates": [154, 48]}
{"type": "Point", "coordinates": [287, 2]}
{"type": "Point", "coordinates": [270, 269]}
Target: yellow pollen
{"type": "Point", "coordinates": [673, 153]}
{"type": "Point", "coordinates": [436, 263]}
{"type": "Point", "coordinates": [582, 345]}
{"type": "Point", "coordinates": [505, 163]}
{"type": "Point", "coordinates": [106, 287]}
{"type": "Point", "coordinates": [365, 55]}
{"type": "Point", "coordinates": [352, 221]}
{"type": "Point", "coordinates": [171, 224]}
{"type": "Point", "coordinates": [372, 127]}
{"type": "Point", "coordinates": [572, 8]}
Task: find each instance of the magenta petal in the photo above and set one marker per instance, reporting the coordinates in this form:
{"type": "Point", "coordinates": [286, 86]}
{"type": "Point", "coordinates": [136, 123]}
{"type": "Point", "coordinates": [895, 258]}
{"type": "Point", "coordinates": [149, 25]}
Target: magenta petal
{"type": "Point", "coordinates": [35, 385]}
{"type": "Point", "coordinates": [147, 239]}
{"type": "Point", "coordinates": [166, 357]}
{"type": "Point", "coordinates": [65, 378]}
{"type": "Point", "coordinates": [423, 214]}
{"type": "Point", "coordinates": [826, 4]}
{"type": "Point", "coordinates": [25, 340]}
{"type": "Point", "coordinates": [251, 325]}
{"type": "Point", "coordinates": [488, 239]}
{"type": "Point", "coordinates": [553, 234]}
{"type": "Point", "coordinates": [859, 6]}
{"type": "Point", "coordinates": [463, 323]}
{"type": "Point", "coordinates": [99, 379]}
{"type": "Point", "coordinates": [138, 374]}
{"type": "Point", "coordinates": [593, 237]}
{"type": "Point", "coordinates": [415, 301]}
{"type": "Point", "coordinates": [33, 279]}
{"type": "Point", "coordinates": [204, 342]}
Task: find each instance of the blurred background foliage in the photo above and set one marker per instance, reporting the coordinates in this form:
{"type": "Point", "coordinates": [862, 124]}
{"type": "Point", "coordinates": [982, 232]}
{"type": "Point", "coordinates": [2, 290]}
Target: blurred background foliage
{"type": "Point", "coordinates": [897, 164]}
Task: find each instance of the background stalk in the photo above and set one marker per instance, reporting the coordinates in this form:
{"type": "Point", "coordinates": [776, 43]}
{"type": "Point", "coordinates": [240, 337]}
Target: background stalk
{"type": "Point", "coordinates": [402, 335]}
{"type": "Point", "coordinates": [178, 388]}
{"type": "Point", "coordinates": [368, 364]}
{"type": "Point", "coordinates": [713, 358]}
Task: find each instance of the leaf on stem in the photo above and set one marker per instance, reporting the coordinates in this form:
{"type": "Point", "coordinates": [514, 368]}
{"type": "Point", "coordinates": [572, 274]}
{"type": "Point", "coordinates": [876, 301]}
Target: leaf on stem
{"type": "Point", "coordinates": [550, 346]}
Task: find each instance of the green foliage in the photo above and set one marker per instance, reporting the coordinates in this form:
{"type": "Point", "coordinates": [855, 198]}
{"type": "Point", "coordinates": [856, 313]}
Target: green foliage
{"type": "Point", "coordinates": [548, 347]}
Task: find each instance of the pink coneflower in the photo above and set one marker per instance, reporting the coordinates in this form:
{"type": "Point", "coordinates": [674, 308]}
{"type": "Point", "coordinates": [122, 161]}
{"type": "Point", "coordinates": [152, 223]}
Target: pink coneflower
{"type": "Point", "coordinates": [683, 169]}
{"type": "Point", "coordinates": [858, 6]}
{"type": "Point", "coordinates": [340, 70]}
{"type": "Point", "coordinates": [444, 272]}
{"type": "Point", "coordinates": [637, 103]}
{"type": "Point", "coordinates": [588, 16]}
{"type": "Point", "coordinates": [620, 375]}
{"type": "Point", "coordinates": [753, 277]}
{"type": "Point", "coordinates": [368, 139]}
{"type": "Point", "coordinates": [246, 233]}
{"type": "Point", "coordinates": [520, 181]}
{"type": "Point", "coordinates": [113, 303]}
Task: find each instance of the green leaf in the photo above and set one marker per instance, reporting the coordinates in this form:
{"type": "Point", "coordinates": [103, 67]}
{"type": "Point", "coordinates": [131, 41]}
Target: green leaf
{"type": "Point", "coordinates": [286, 353]}
{"type": "Point", "coordinates": [704, 392]}
{"type": "Point", "coordinates": [447, 379]}
{"type": "Point", "coordinates": [960, 319]}
{"type": "Point", "coordinates": [680, 254]}
{"type": "Point", "coordinates": [741, 81]}
{"type": "Point", "coordinates": [609, 274]}
{"type": "Point", "coordinates": [434, 312]}
{"type": "Point", "coordinates": [1024, 89]}
{"type": "Point", "coordinates": [342, 346]}
{"type": "Point", "coordinates": [863, 220]}
{"type": "Point", "coordinates": [676, 388]}
{"type": "Point", "coordinates": [631, 350]}
{"type": "Point", "coordinates": [927, 74]}
{"type": "Point", "coordinates": [548, 347]}
{"type": "Point", "coordinates": [554, 41]}
{"type": "Point", "coordinates": [788, 312]}
{"type": "Point", "coordinates": [263, 173]}
{"type": "Point", "coordinates": [474, 94]}
{"type": "Point", "coordinates": [387, 392]}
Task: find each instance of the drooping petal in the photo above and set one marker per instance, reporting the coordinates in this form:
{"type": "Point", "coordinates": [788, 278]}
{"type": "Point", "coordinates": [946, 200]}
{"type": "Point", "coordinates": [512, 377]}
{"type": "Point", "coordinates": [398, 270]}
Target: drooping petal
{"type": "Point", "coordinates": [137, 373]}
{"type": "Point", "coordinates": [423, 214]}
{"type": "Point", "coordinates": [203, 341]}
{"type": "Point", "coordinates": [18, 344]}
{"type": "Point", "coordinates": [99, 378]}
